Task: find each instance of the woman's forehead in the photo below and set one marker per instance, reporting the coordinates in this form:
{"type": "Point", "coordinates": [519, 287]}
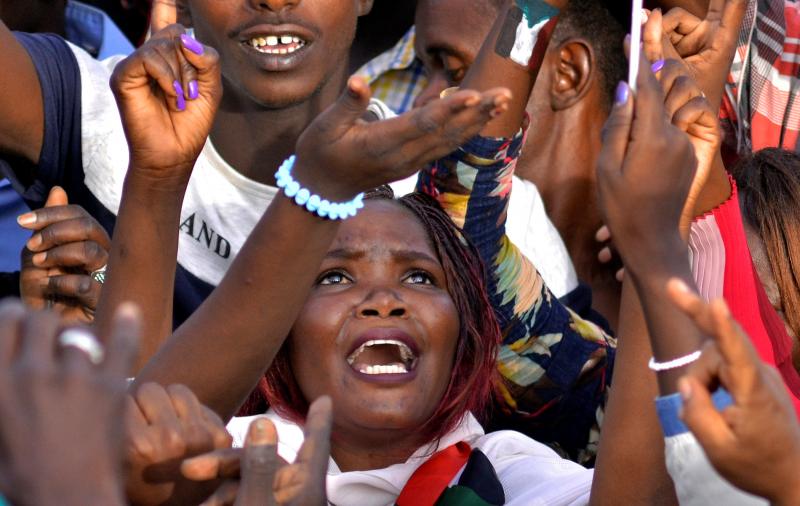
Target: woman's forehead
{"type": "Point", "coordinates": [384, 224]}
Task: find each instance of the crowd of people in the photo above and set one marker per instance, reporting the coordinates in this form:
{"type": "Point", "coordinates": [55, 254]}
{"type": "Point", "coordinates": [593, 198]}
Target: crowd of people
{"type": "Point", "coordinates": [373, 252]}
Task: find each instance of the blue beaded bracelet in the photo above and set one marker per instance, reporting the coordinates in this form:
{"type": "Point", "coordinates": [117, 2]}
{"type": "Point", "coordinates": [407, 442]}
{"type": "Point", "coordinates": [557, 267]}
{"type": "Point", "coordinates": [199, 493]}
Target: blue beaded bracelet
{"type": "Point", "coordinates": [313, 203]}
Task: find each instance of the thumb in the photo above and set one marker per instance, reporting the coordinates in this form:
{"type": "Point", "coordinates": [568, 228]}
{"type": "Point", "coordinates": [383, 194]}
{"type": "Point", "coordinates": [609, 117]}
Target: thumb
{"type": "Point", "coordinates": [702, 418]}
{"type": "Point", "coordinates": [57, 197]}
{"type": "Point", "coordinates": [348, 109]}
{"type": "Point", "coordinates": [260, 464]}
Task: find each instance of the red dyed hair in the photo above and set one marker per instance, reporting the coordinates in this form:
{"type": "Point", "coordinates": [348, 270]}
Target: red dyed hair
{"type": "Point", "coordinates": [474, 367]}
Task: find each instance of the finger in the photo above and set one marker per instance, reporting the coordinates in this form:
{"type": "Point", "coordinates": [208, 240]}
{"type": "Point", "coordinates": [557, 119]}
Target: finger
{"type": "Point", "coordinates": [204, 60]}
{"type": "Point", "coordinates": [40, 218]}
{"type": "Point", "coordinates": [605, 255]}
{"type": "Point", "coordinates": [346, 111]}
{"type": "Point", "coordinates": [167, 52]}
{"type": "Point", "coordinates": [603, 234]}
{"type": "Point", "coordinates": [148, 64]}
{"type": "Point", "coordinates": [56, 197]}
{"type": "Point", "coordinates": [708, 369]}
{"type": "Point", "coordinates": [87, 255]}
{"type": "Point", "coordinates": [187, 72]}
{"type": "Point", "coordinates": [84, 228]}
{"type": "Point", "coordinates": [38, 331]}
{"type": "Point", "coordinates": [123, 341]}
{"type": "Point", "coordinates": [702, 418]}
{"type": "Point", "coordinates": [80, 288]}
{"type": "Point", "coordinates": [438, 128]}
{"type": "Point", "coordinates": [316, 449]}
{"type": "Point", "coordinates": [683, 90]}
{"type": "Point", "coordinates": [190, 414]}
{"type": "Point", "coordinates": [616, 134]}
{"type": "Point", "coordinates": [222, 438]}
{"type": "Point", "coordinates": [11, 315]}
{"type": "Point", "coordinates": [221, 463]}
{"type": "Point", "coordinates": [678, 23]}
{"type": "Point", "coordinates": [156, 406]}
{"type": "Point", "coordinates": [652, 33]}
{"type": "Point", "coordinates": [649, 103]}
{"type": "Point", "coordinates": [260, 464]}
{"type": "Point", "coordinates": [695, 113]}
{"type": "Point", "coordinates": [736, 349]}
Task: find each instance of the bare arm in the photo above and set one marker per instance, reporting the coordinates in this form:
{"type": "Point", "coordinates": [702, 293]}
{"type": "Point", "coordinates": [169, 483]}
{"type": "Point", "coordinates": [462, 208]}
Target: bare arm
{"type": "Point", "coordinates": [495, 66]}
{"type": "Point", "coordinates": [21, 108]}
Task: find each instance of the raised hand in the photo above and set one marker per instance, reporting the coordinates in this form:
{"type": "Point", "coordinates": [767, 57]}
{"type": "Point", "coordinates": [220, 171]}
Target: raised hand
{"type": "Point", "coordinates": [265, 477]}
{"type": "Point", "coordinates": [58, 260]}
{"type": "Point", "coordinates": [707, 45]}
{"type": "Point", "coordinates": [647, 165]}
{"type": "Point", "coordinates": [167, 92]}
{"type": "Point", "coordinates": [754, 443]}
{"type": "Point", "coordinates": [349, 155]}
{"type": "Point", "coordinates": [62, 408]}
{"type": "Point", "coordinates": [164, 427]}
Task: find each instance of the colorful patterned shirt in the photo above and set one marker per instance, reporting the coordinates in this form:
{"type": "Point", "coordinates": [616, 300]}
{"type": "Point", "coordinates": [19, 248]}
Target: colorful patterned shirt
{"type": "Point", "coordinates": [556, 366]}
{"type": "Point", "coordinates": [760, 108]}
{"type": "Point", "coordinates": [396, 76]}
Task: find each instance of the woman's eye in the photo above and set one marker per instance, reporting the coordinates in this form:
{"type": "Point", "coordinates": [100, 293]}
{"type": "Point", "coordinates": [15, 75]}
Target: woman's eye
{"type": "Point", "coordinates": [333, 278]}
{"type": "Point", "coordinates": [419, 278]}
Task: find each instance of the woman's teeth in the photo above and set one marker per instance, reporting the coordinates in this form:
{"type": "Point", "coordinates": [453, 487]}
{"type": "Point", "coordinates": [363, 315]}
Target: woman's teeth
{"type": "Point", "coordinates": [382, 369]}
{"type": "Point", "coordinates": [273, 44]}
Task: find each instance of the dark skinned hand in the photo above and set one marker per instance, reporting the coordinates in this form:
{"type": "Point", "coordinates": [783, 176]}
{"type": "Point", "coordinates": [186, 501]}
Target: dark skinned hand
{"type": "Point", "coordinates": [164, 426]}
{"type": "Point", "coordinates": [646, 164]}
{"type": "Point", "coordinates": [265, 478]}
{"type": "Point", "coordinates": [340, 154]}
{"type": "Point", "coordinates": [57, 261]}
{"type": "Point", "coordinates": [167, 92]}
{"type": "Point", "coordinates": [707, 45]}
{"type": "Point", "coordinates": [61, 438]}
{"type": "Point", "coordinates": [755, 442]}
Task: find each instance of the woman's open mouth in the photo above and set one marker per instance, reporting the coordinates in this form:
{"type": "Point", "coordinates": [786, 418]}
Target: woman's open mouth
{"type": "Point", "coordinates": [383, 356]}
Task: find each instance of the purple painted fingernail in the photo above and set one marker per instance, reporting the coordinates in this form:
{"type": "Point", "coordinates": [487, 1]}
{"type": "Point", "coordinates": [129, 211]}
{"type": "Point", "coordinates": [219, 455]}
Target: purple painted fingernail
{"type": "Point", "coordinates": [657, 66]}
{"type": "Point", "coordinates": [194, 91]}
{"type": "Point", "coordinates": [623, 91]}
{"type": "Point", "coordinates": [180, 103]}
{"type": "Point", "coordinates": [191, 44]}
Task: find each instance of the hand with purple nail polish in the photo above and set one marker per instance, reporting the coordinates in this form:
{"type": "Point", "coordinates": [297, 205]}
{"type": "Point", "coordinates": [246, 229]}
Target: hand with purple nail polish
{"type": "Point", "coordinates": [167, 92]}
{"type": "Point", "coordinates": [646, 165]}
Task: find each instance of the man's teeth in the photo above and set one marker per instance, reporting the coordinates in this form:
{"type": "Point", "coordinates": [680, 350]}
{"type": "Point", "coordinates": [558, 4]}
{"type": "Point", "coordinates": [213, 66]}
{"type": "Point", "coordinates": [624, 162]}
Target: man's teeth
{"type": "Point", "coordinates": [289, 44]}
{"type": "Point", "coordinates": [382, 369]}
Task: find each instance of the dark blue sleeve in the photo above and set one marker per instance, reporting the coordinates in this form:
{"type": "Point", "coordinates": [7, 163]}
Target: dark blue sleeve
{"type": "Point", "coordinates": [60, 160]}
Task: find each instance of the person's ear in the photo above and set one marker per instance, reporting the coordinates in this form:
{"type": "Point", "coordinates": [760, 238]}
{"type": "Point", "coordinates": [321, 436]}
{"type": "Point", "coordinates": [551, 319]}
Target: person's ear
{"type": "Point", "coordinates": [364, 7]}
{"type": "Point", "coordinates": [573, 73]}
{"type": "Point", "coordinates": [184, 15]}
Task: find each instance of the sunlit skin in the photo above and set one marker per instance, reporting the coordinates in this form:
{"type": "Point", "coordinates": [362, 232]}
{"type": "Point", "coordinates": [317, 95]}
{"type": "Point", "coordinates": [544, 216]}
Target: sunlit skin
{"type": "Point", "coordinates": [382, 273]}
{"type": "Point", "coordinates": [264, 110]}
{"type": "Point", "coordinates": [565, 103]}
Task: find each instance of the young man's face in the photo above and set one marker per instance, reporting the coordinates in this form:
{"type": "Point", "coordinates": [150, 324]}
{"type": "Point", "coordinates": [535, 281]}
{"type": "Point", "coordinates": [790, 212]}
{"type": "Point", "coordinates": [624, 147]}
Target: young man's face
{"type": "Point", "coordinates": [278, 52]}
{"type": "Point", "coordinates": [449, 34]}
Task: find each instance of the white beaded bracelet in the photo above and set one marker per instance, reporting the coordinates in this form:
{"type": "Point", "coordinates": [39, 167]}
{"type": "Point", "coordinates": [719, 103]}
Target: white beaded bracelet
{"type": "Point", "coordinates": [311, 202]}
{"type": "Point", "coordinates": [674, 364]}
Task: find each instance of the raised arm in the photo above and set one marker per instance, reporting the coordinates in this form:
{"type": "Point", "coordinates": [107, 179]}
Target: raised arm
{"type": "Point", "coordinates": [225, 347]}
{"type": "Point", "coordinates": [21, 106]}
